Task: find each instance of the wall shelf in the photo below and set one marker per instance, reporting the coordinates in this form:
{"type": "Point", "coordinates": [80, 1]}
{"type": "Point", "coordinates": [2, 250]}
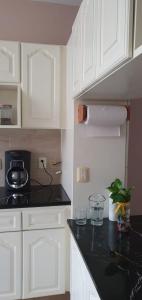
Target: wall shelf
{"type": "Point", "coordinates": [11, 94]}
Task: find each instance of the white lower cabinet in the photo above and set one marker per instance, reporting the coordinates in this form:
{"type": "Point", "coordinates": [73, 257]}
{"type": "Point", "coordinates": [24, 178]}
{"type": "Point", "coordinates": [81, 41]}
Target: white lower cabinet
{"type": "Point", "coordinates": [78, 280]}
{"type": "Point", "coordinates": [43, 263]}
{"type": "Point", "coordinates": [33, 256]}
{"type": "Point", "coordinates": [10, 266]}
{"type": "Point", "coordinates": [81, 285]}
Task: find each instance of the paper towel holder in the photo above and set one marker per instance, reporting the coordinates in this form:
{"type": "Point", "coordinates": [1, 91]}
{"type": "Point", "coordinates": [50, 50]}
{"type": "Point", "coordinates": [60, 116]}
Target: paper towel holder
{"type": "Point", "coordinates": [103, 120]}
{"type": "Point", "coordinates": [81, 113]}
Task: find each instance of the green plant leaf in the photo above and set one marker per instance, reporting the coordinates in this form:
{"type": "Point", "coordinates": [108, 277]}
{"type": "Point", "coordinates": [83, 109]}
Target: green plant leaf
{"type": "Point", "coordinates": [118, 192]}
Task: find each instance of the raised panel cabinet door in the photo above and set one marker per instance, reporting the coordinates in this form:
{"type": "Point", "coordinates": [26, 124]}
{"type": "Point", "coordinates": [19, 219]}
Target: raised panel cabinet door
{"type": "Point", "coordinates": [89, 37]}
{"type": "Point", "coordinates": [114, 34]}
{"type": "Point", "coordinates": [9, 62]}
{"type": "Point", "coordinates": [78, 276]}
{"type": "Point", "coordinates": [10, 266]}
{"type": "Point", "coordinates": [77, 53]}
{"type": "Point", "coordinates": [43, 263]}
{"type": "Point", "coordinates": [40, 86]}
{"type": "Point", "coordinates": [69, 97]}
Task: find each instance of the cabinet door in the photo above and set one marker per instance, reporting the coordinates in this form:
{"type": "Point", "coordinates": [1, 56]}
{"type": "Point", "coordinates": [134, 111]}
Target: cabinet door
{"type": "Point", "coordinates": [77, 53]}
{"type": "Point", "coordinates": [43, 263]}
{"type": "Point", "coordinates": [82, 287]}
{"type": "Point", "coordinates": [69, 98]}
{"type": "Point", "coordinates": [78, 279]}
{"type": "Point", "coordinates": [114, 41]}
{"type": "Point", "coordinates": [10, 266]}
{"type": "Point", "coordinates": [41, 86]}
{"type": "Point", "coordinates": [89, 31]}
{"type": "Point", "coordinates": [9, 62]}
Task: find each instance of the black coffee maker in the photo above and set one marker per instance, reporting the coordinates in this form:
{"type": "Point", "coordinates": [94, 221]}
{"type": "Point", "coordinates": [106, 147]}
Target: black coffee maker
{"type": "Point", "coordinates": [17, 170]}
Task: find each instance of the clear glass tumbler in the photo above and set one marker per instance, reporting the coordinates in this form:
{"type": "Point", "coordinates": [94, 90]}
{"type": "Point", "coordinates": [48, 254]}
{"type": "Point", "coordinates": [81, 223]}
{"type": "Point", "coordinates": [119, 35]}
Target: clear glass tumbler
{"type": "Point", "coordinates": [80, 216]}
{"type": "Point", "coordinates": [96, 202]}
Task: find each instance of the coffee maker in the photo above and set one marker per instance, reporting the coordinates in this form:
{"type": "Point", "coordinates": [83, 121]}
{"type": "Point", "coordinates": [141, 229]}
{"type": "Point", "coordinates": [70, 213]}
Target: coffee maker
{"type": "Point", "coordinates": [17, 170]}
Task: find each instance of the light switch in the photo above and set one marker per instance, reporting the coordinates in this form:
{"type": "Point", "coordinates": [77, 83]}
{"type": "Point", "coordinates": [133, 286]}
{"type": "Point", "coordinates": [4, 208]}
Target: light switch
{"type": "Point", "coordinates": [82, 174]}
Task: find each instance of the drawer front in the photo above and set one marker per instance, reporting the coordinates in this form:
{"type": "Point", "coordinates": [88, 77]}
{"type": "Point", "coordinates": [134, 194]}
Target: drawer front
{"type": "Point", "coordinates": [44, 218]}
{"type": "Point", "coordinates": [10, 221]}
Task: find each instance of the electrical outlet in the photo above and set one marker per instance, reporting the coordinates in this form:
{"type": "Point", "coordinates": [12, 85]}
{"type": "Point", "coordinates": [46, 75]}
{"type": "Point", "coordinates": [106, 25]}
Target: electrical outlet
{"type": "Point", "coordinates": [40, 164]}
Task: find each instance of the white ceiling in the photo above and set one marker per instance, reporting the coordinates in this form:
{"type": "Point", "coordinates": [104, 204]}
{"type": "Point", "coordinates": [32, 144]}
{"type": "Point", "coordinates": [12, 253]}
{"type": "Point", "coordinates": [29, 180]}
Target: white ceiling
{"type": "Point", "coordinates": [66, 2]}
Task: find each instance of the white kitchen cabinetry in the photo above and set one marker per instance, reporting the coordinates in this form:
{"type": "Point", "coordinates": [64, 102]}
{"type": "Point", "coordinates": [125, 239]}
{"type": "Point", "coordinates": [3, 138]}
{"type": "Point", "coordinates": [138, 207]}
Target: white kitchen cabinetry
{"type": "Point", "coordinates": [9, 62]}
{"type": "Point", "coordinates": [78, 276]}
{"type": "Point", "coordinates": [102, 40]}
{"type": "Point", "coordinates": [114, 38]}
{"type": "Point", "coordinates": [10, 266]}
{"type": "Point", "coordinates": [40, 86]}
{"type": "Point", "coordinates": [137, 28]}
{"type": "Point", "coordinates": [33, 258]}
{"type": "Point", "coordinates": [10, 221]}
{"type": "Point", "coordinates": [44, 263]}
{"type": "Point", "coordinates": [77, 53]}
{"type": "Point", "coordinates": [69, 76]}
{"type": "Point", "coordinates": [53, 217]}
{"type": "Point", "coordinates": [89, 37]}
{"type": "Point", "coordinates": [82, 287]}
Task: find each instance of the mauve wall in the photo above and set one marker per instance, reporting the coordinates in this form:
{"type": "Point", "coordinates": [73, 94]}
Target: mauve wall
{"type": "Point", "coordinates": [135, 156]}
{"type": "Point", "coordinates": [29, 21]}
{"type": "Point", "coordinates": [41, 143]}
{"type": "Point", "coordinates": [37, 22]}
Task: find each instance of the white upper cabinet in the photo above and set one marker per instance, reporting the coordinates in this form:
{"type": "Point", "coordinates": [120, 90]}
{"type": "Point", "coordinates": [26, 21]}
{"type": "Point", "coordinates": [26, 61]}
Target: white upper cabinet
{"type": "Point", "coordinates": [89, 31]}
{"type": "Point", "coordinates": [10, 266]}
{"type": "Point", "coordinates": [77, 53]}
{"type": "Point", "coordinates": [40, 86]}
{"type": "Point", "coordinates": [137, 28]}
{"type": "Point", "coordinates": [69, 76]}
{"type": "Point", "coordinates": [102, 37]}
{"type": "Point", "coordinates": [9, 62]}
{"type": "Point", "coordinates": [43, 263]}
{"type": "Point", "coordinates": [114, 38]}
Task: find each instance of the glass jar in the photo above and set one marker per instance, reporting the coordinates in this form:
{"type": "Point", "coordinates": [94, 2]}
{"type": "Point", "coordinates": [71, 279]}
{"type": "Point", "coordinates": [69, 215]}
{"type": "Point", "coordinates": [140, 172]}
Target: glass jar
{"type": "Point", "coordinates": [96, 202]}
{"type": "Point", "coordinates": [5, 114]}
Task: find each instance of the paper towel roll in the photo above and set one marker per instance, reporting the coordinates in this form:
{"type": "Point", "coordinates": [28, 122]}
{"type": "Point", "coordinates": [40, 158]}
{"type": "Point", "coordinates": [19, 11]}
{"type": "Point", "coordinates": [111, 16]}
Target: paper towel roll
{"type": "Point", "coordinates": [106, 115]}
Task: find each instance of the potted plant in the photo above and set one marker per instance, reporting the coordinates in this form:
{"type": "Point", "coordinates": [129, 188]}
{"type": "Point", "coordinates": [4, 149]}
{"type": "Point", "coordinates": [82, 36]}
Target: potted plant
{"type": "Point", "coordinates": [121, 196]}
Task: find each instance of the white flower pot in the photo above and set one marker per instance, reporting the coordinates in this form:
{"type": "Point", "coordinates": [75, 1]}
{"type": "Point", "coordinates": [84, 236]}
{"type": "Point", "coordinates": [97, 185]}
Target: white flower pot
{"type": "Point", "coordinates": [112, 214]}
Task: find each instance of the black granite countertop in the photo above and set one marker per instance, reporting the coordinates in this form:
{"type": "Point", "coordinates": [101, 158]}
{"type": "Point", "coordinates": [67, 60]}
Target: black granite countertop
{"type": "Point", "coordinates": [37, 196]}
{"type": "Point", "coordinates": [114, 260]}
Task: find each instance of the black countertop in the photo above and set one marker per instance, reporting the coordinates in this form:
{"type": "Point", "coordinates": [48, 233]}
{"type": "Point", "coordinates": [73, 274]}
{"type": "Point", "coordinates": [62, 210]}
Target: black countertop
{"type": "Point", "coordinates": [37, 196]}
{"type": "Point", "coordinates": [114, 260]}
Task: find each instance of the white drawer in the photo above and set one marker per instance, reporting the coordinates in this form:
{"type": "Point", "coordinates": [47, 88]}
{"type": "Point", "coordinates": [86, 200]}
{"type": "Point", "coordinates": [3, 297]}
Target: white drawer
{"type": "Point", "coordinates": [10, 221]}
{"type": "Point", "coordinates": [44, 218]}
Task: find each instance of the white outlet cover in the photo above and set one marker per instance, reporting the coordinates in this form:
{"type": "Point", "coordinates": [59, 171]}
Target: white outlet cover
{"type": "Point", "coordinates": [82, 174]}
{"type": "Point", "coordinates": [40, 163]}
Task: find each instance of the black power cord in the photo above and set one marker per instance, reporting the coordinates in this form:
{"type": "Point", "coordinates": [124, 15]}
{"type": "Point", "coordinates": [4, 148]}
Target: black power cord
{"type": "Point", "coordinates": [36, 181]}
{"type": "Point", "coordinates": [47, 173]}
